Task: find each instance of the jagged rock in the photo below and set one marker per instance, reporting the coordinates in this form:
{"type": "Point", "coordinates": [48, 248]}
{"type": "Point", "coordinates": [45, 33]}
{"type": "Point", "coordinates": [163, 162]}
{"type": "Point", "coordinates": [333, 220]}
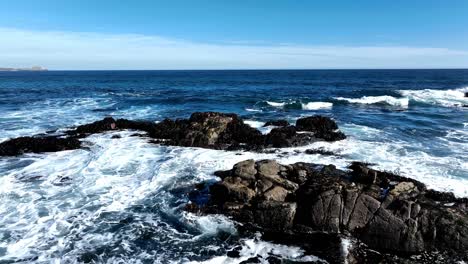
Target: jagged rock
{"type": "Point", "coordinates": [22, 145]}
{"type": "Point", "coordinates": [322, 127]}
{"type": "Point", "coordinates": [228, 191]}
{"type": "Point", "coordinates": [203, 129]}
{"type": "Point", "coordinates": [274, 215]}
{"type": "Point", "coordinates": [106, 124]}
{"type": "Point", "coordinates": [362, 174]}
{"type": "Point", "coordinates": [280, 123]}
{"type": "Point", "coordinates": [276, 193]}
{"type": "Point", "coordinates": [268, 168]}
{"type": "Point", "coordinates": [245, 169]}
{"type": "Point", "coordinates": [389, 213]}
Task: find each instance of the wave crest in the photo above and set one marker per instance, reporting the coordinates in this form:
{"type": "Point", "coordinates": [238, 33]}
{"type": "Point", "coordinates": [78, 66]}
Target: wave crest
{"type": "Point", "coordinates": [447, 98]}
{"type": "Point", "coordinates": [384, 99]}
{"type": "Point", "coordinates": [300, 105]}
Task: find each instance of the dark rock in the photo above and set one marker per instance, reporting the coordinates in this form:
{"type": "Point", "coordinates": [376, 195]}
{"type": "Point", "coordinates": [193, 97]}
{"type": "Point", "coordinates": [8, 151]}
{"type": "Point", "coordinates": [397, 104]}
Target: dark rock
{"type": "Point", "coordinates": [276, 193]}
{"type": "Point", "coordinates": [302, 199]}
{"type": "Point", "coordinates": [322, 127]}
{"type": "Point", "coordinates": [280, 123]}
{"type": "Point", "coordinates": [22, 145]}
{"type": "Point", "coordinates": [281, 137]}
{"type": "Point", "coordinates": [273, 215]}
{"type": "Point", "coordinates": [106, 124]}
{"type": "Point", "coordinates": [231, 191]}
{"type": "Point", "coordinates": [256, 259]}
{"type": "Point", "coordinates": [206, 130]}
{"type": "Point", "coordinates": [320, 151]}
{"type": "Point", "coordinates": [235, 252]}
{"type": "Point", "coordinates": [245, 170]}
{"type": "Point", "coordinates": [361, 173]}
{"type": "Point", "coordinates": [273, 260]}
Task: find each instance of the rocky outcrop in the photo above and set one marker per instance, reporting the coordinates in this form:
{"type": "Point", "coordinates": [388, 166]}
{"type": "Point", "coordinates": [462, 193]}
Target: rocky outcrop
{"type": "Point", "coordinates": [203, 129]}
{"type": "Point", "coordinates": [22, 145]}
{"type": "Point", "coordinates": [388, 213]}
{"type": "Point", "coordinates": [223, 131]}
{"type": "Point", "coordinates": [322, 127]}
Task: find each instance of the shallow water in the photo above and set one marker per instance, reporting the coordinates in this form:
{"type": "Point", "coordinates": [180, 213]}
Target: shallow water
{"type": "Point", "coordinates": [121, 199]}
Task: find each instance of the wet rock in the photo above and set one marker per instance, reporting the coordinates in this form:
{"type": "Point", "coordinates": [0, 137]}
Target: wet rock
{"type": "Point", "coordinates": [320, 151]}
{"type": "Point", "coordinates": [106, 124]}
{"type": "Point", "coordinates": [228, 191]}
{"type": "Point", "coordinates": [361, 173]}
{"type": "Point", "coordinates": [281, 137]}
{"type": "Point", "coordinates": [22, 145]}
{"type": "Point", "coordinates": [303, 199]}
{"type": "Point", "coordinates": [322, 127]}
{"type": "Point", "coordinates": [203, 129]}
{"type": "Point", "coordinates": [256, 259]}
{"type": "Point", "coordinates": [235, 252]}
{"type": "Point", "coordinates": [273, 215]}
{"type": "Point", "coordinates": [280, 123]}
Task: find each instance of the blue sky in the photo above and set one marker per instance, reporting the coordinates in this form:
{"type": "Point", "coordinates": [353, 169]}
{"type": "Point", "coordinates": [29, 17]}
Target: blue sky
{"type": "Point", "coordinates": [233, 34]}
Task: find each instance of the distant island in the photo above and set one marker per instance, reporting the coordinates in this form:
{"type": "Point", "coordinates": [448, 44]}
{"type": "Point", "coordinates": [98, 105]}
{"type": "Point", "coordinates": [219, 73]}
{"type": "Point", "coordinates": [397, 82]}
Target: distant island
{"type": "Point", "coordinates": [34, 68]}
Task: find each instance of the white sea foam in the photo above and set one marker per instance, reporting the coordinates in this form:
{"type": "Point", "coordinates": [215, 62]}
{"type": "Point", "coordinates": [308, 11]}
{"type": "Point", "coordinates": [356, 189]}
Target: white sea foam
{"type": "Point", "coordinates": [41, 116]}
{"type": "Point", "coordinates": [50, 199]}
{"type": "Point", "coordinates": [447, 98]}
{"type": "Point", "coordinates": [317, 105]}
{"type": "Point", "coordinates": [255, 247]}
{"type": "Point", "coordinates": [254, 123]}
{"type": "Point", "coordinates": [276, 104]}
{"type": "Point", "coordinates": [259, 125]}
{"type": "Point", "coordinates": [384, 99]}
{"type": "Point", "coordinates": [56, 201]}
{"type": "Point", "coordinates": [210, 224]}
{"type": "Point", "coordinates": [304, 106]}
{"type": "Point", "coordinates": [252, 110]}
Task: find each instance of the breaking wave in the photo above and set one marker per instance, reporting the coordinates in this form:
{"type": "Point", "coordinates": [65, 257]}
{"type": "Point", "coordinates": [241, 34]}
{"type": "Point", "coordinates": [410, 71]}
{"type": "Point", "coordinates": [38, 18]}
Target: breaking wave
{"type": "Point", "coordinates": [384, 99]}
{"type": "Point", "coordinates": [447, 98]}
{"type": "Point", "coordinates": [300, 105]}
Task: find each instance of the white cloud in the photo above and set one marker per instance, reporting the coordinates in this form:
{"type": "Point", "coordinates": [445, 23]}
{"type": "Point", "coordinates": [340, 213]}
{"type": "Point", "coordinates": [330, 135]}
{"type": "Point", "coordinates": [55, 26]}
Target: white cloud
{"type": "Point", "coordinates": [81, 50]}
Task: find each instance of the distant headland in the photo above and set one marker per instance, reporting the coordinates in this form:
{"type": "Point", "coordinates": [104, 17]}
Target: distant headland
{"type": "Point", "coordinates": [34, 68]}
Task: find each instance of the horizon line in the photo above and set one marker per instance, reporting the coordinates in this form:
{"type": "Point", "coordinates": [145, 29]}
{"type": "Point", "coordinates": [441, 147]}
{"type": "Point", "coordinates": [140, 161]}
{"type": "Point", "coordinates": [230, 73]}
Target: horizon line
{"type": "Point", "coordinates": [250, 69]}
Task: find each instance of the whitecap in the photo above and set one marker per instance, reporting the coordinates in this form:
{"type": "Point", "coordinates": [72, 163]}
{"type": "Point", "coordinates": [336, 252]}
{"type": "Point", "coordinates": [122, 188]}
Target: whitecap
{"type": "Point", "coordinates": [252, 110]}
{"type": "Point", "coordinates": [276, 104]}
{"type": "Point", "coordinates": [259, 125]}
{"type": "Point", "coordinates": [254, 123]}
{"type": "Point", "coordinates": [317, 105]}
{"type": "Point", "coordinates": [447, 98]}
{"type": "Point", "coordinates": [384, 99]}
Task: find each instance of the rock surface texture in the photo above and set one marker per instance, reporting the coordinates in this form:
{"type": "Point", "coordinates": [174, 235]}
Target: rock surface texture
{"type": "Point", "coordinates": [393, 216]}
{"type": "Point", "coordinates": [203, 129]}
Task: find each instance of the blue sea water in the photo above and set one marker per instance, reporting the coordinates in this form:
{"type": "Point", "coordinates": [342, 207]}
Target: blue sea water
{"type": "Point", "coordinates": [121, 200]}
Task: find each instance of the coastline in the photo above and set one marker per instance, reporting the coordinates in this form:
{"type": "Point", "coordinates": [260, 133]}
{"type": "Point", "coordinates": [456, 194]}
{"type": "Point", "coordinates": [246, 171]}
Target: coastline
{"type": "Point", "coordinates": [278, 200]}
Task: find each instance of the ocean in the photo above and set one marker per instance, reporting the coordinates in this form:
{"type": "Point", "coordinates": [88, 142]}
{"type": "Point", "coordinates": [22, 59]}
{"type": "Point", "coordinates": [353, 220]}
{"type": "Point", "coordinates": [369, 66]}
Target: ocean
{"type": "Point", "coordinates": [121, 200]}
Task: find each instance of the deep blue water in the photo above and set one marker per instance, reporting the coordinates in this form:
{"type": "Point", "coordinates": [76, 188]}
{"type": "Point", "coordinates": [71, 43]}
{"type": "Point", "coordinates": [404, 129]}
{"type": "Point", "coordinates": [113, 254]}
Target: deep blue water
{"type": "Point", "coordinates": [409, 121]}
